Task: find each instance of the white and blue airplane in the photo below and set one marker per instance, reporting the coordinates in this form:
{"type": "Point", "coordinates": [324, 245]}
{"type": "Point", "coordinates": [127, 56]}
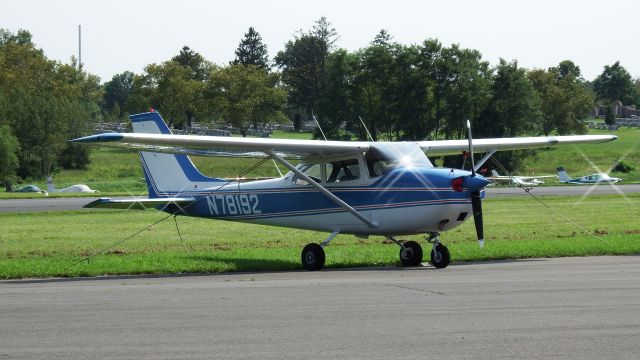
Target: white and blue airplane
{"type": "Point", "coordinates": [361, 188]}
{"type": "Point", "coordinates": [517, 180]}
{"type": "Point", "coordinates": [598, 178]}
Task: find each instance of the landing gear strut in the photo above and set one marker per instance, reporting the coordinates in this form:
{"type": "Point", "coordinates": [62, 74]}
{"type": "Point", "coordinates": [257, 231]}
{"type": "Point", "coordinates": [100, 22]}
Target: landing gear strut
{"type": "Point", "coordinates": [440, 257]}
{"type": "Point", "coordinates": [410, 252]}
{"type": "Point", "coordinates": [313, 254]}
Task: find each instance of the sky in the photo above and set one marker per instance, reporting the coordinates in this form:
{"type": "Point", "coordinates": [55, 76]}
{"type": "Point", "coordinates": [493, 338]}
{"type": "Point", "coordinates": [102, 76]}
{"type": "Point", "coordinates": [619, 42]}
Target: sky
{"type": "Point", "coordinates": [122, 35]}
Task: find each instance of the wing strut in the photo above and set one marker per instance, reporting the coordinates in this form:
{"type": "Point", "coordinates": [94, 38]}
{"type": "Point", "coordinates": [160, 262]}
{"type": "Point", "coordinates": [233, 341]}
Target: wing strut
{"type": "Point", "coordinates": [322, 189]}
{"type": "Point", "coordinates": [484, 159]}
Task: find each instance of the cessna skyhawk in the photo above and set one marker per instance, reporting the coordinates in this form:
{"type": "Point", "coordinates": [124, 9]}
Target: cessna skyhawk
{"type": "Point", "coordinates": [339, 187]}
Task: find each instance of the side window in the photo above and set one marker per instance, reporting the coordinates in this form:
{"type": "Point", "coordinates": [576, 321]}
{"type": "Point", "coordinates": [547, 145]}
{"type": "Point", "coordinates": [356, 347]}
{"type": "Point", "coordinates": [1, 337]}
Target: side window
{"type": "Point", "coordinates": [311, 170]}
{"type": "Point", "coordinates": [342, 170]}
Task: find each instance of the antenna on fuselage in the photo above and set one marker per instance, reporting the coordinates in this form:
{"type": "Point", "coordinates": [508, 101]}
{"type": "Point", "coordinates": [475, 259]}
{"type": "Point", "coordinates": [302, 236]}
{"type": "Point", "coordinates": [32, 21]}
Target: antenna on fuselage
{"type": "Point", "coordinates": [319, 127]}
{"type": "Point", "coordinates": [365, 128]}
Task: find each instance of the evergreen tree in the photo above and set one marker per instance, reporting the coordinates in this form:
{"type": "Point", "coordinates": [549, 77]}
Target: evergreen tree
{"type": "Point", "coordinates": [251, 51]}
{"type": "Point", "coordinates": [196, 63]}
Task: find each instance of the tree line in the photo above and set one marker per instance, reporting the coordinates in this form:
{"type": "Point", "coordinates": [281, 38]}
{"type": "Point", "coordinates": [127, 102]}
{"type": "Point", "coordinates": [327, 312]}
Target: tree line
{"type": "Point", "coordinates": [401, 92]}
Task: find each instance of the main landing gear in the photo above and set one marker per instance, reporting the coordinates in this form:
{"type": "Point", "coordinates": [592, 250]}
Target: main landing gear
{"type": "Point", "coordinates": [411, 252]}
{"type": "Point", "coordinates": [313, 254]}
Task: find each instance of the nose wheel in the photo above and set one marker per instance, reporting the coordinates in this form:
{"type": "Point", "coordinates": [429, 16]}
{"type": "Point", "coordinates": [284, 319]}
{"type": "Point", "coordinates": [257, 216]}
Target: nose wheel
{"type": "Point", "coordinates": [440, 257]}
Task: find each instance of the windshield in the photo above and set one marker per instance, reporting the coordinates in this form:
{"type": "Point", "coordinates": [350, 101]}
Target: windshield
{"type": "Point", "coordinates": [383, 157]}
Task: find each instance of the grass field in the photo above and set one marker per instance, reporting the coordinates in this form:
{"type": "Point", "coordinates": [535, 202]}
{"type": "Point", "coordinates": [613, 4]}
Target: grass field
{"type": "Point", "coordinates": [48, 244]}
{"type": "Point", "coordinates": [118, 172]}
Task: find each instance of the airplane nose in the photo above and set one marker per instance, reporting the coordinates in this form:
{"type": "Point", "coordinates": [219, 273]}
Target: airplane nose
{"type": "Point", "coordinates": [476, 183]}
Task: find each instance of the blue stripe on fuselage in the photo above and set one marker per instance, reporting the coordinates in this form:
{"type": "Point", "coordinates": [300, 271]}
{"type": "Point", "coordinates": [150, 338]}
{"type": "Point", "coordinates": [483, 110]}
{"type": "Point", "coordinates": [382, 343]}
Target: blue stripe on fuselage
{"type": "Point", "coordinates": [399, 188]}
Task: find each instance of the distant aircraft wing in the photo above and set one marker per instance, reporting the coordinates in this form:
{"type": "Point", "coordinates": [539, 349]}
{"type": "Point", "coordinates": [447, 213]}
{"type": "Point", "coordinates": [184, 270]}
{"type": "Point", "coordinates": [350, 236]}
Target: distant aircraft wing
{"type": "Point", "coordinates": [225, 146]}
{"type": "Point", "coordinates": [499, 179]}
{"type": "Point", "coordinates": [527, 178]}
{"type": "Point", "coordinates": [453, 147]}
{"type": "Point", "coordinates": [140, 204]}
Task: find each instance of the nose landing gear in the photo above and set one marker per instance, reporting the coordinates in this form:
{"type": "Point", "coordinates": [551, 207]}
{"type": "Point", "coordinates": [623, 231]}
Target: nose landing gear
{"type": "Point", "coordinates": [440, 257]}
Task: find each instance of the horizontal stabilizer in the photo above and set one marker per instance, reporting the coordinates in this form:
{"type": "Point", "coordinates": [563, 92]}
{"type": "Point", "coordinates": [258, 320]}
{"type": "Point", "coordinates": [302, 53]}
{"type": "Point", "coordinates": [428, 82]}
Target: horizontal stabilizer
{"type": "Point", "coordinates": [140, 204]}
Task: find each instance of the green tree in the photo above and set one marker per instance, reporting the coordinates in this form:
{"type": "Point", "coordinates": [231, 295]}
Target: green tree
{"type": "Point", "coordinates": [9, 148]}
{"type": "Point", "coordinates": [465, 83]}
{"type": "Point", "coordinates": [513, 110]}
{"type": "Point", "coordinates": [116, 93]}
{"type": "Point", "coordinates": [195, 62]}
{"type": "Point", "coordinates": [251, 51]}
{"type": "Point", "coordinates": [169, 87]}
{"type": "Point", "coordinates": [374, 81]}
{"type": "Point", "coordinates": [615, 83]}
{"type": "Point", "coordinates": [303, 66]}
{"type": "Point", "coordinates": [45, 103]}
{"type": "Point", "coordinates": [431, 67]}
{"type": "Point", "coordinates": [565, 100]}
{"type": "Point", "coordinates": [609, 116]}
{"type": "Point", "coordinates": [335, 106]}
{"type": "Point", "coordinates": [246, 96]}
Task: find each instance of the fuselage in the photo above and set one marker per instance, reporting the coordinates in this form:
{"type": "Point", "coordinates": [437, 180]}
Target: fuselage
{"type": "Point", "coordinates": [594, 179]}
{"type": "Point", "coordinates": [406, 200]}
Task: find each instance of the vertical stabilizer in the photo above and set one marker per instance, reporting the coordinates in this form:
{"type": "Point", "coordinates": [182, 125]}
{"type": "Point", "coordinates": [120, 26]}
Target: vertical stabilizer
{"type": "Point", "coordinates": [562, 175]}
{"type": "Point", "coordinates": [51, 188]}
{"type": "Point", "coordinates": [167, 174]}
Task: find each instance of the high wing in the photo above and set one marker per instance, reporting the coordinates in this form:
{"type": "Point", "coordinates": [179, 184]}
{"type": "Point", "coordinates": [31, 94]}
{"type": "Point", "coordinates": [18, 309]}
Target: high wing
{"type": "Point", "coordinates": [258, 147]}
{"type": "Point", "coordinates": [453, 147]}
{"type": "Point", "coordinates": [225, 146]}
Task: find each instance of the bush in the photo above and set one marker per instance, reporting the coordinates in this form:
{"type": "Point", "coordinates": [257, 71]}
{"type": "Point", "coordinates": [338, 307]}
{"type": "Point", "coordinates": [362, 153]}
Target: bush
{"type": "Point", "coordinates": [623, 167]}
{"type": "Point", "coordinates": [74, 157]}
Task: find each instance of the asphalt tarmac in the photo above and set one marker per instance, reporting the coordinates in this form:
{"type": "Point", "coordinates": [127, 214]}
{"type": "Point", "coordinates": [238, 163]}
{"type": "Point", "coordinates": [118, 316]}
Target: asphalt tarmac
{"type": "Point", "coordinates": [566, 308]}
{"type": "Point", "coordinates": [62, 204]}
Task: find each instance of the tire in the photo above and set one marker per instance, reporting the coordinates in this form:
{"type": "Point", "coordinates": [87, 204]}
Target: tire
{"type": "Point", "coordinates": [312, 257]}
{"type": "Point", "coordinates": [440, 257]}
{"type": "Point", "coordinates": [411, 254]}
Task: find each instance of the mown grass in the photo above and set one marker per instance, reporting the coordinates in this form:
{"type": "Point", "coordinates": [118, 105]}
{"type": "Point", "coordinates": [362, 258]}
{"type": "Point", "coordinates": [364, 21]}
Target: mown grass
{"type": "Point", "coordinates": [48, 244]}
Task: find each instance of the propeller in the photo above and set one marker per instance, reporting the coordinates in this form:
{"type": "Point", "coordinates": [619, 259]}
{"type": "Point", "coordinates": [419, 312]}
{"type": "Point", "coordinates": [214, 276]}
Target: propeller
{"type": "Point", "coordinates": [474, 191]}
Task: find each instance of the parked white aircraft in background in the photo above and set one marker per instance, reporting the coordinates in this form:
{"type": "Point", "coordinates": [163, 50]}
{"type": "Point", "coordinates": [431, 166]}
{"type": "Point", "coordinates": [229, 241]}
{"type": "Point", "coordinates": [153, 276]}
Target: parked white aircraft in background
{"type": "Point", "coordinates": [518, 180]}
{"type": "Point", "coordinates": [587, 179]}
{"type": "Point", "coordinates": [79, 188]}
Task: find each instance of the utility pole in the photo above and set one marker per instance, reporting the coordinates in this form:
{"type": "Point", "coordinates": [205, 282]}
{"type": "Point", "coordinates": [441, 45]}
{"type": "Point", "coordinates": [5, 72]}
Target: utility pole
{"type": "Point", "coordinates": [79, 47]}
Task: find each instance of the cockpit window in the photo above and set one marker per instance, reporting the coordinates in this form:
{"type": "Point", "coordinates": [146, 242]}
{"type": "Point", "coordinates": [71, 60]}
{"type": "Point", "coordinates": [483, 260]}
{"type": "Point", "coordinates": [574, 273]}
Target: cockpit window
{"type": "Point", "coordinates": [342, 170]}
{"type": "Point", "coordinates": [311, 170]}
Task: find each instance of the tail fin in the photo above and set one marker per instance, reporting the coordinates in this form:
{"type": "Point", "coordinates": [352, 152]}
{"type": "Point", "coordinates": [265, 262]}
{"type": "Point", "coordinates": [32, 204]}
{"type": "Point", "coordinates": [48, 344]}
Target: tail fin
{"type": "Point", "coordinates": [167, 174]}
{"type": "Point", "coordinates": [562, 174]}
{"type": "Point", "coordinates": [495, 173]}
{"type": "Point", "coordinates": [51, 188]}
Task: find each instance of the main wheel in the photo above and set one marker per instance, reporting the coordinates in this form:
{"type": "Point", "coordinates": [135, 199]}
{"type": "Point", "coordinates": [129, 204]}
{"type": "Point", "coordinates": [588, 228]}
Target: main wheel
{"type": "Point", "coordinates": [312, 257]}
{"type": "Point", "coordinates": [440, 257]}
{"type": "Point", "coordinates": [411, 254]}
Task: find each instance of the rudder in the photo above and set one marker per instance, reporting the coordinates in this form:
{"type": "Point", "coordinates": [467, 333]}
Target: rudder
{"type": "Point", "coordinates": [167, 174]}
